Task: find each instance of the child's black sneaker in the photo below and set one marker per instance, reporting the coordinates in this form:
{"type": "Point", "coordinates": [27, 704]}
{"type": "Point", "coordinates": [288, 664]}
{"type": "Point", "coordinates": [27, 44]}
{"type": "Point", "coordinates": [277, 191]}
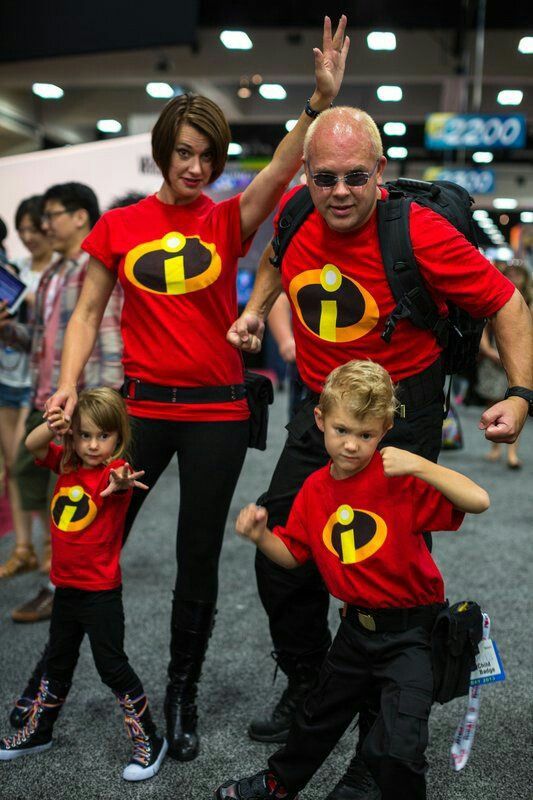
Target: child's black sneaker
{"type": "Point", "coordinates": [149, 749]}
{"type": "Point", "coordinates": [262, 786]}
{"type": "Point", "coordinates": [36, 735]}
{"type": "Point", "coordinates": [148, 755]}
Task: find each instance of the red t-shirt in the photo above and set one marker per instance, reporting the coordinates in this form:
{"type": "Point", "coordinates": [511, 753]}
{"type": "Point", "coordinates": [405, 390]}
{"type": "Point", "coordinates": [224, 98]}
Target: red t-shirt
{"type": "Point", "coordinates": [86, 529]}
{"type": "Point", "coordinates": [341, 299]}
{"type": "Point", "coordinates": [177, 265]}
{"type": "Point", "coordinates": [365, 535]}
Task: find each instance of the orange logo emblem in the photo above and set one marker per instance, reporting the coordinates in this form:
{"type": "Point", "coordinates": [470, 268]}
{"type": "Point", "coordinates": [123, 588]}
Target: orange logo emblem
{"type": "Point", "coordinates": [72, 509]}
{"type": "Point", "coordinates": [353, 534]}
{"type": "Point", "coordinates": [332, 306]}
{"type": "Point", "coordinates": [173, 265]}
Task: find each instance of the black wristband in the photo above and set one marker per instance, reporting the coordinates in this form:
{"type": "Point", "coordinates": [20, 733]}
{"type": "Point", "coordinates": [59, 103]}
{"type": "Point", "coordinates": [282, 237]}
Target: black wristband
{"type": "Point", "coordinates": [311, 111]}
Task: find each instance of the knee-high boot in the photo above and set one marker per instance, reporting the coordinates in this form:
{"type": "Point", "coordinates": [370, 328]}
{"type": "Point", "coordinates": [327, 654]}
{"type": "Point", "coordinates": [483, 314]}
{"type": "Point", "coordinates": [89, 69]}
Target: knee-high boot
{"type": "Point", "coordinates": [191, 627]}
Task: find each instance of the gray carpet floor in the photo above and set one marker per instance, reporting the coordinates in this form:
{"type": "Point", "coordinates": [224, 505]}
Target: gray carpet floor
{"type": "Point", "coordinates": [488, 560]}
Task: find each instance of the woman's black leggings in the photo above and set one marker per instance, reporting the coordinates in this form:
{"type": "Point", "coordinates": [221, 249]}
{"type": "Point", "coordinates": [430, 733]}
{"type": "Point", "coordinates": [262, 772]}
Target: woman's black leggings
{"type": "Point", "coordinates": [210, 458]}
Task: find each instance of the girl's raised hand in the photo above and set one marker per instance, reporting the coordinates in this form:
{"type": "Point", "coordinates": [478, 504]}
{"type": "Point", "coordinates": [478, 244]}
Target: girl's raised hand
{"type": "Point", "coordinates": [57, 422]}
{"type": "Point", "coordinates": [122, 479]}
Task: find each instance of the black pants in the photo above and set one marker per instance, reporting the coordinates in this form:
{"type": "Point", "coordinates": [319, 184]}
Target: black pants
{"type": "Point", "coordinates": [210, 458]}
{"type": "Point", "coordinates": [359, 662]}
{"type": "Point", "coordinates": [100, 615]}
{"type": "Point", "coordinates": [296, 600]}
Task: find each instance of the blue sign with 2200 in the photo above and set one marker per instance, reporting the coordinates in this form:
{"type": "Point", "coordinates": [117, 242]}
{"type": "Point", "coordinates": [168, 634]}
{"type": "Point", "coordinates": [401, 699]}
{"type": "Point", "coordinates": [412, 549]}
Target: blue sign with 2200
{"type": "Point", "coordinates": [490, 131]}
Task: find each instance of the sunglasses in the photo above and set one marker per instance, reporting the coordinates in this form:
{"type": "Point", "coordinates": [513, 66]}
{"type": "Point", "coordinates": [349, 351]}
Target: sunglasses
{"type": "Point", "coordinates": [326, 180]}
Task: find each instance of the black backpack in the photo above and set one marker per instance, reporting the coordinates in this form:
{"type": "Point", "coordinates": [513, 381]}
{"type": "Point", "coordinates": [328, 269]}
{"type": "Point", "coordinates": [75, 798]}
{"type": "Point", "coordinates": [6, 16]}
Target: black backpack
{"type": "Point", "coordinates": [458, 334]}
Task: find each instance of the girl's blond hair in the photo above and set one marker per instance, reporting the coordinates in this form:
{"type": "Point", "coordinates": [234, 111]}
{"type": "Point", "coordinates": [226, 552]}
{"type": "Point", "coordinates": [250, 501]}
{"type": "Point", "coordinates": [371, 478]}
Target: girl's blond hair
{"type": "Point", "coordinates": [363, 388]}
{"type": "Point", "coordinates": [107, 410]}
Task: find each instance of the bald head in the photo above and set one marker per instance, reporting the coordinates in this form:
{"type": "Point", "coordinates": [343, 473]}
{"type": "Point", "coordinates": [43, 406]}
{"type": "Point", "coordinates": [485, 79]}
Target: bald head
{"type": "Point", "coordinates": [344, 122]}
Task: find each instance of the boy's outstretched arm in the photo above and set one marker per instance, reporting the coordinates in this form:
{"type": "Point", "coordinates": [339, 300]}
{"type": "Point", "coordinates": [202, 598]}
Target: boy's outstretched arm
{"type": "Point", "coordinates": [462, 492]}
{"type": "Point", "coordinates": [252, 524]}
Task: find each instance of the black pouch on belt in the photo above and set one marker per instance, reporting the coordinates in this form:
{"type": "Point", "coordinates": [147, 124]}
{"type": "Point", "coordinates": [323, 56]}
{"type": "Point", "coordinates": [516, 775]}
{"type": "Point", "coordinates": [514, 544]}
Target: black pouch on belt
{"type": "Point", "coordinates": [260, 396]}
{"type": "Point", "coordinates": [455, 642]}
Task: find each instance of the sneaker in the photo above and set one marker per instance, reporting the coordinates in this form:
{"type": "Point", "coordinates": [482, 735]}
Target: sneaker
{"type": "Point", "coordinates": [263, 786]}
{"type": "Point", "coordinates": [37, 609]}
{"type": "Point", "coordinates": [147, 757]}
{"type": "Point", "coordinates": [356, 784]}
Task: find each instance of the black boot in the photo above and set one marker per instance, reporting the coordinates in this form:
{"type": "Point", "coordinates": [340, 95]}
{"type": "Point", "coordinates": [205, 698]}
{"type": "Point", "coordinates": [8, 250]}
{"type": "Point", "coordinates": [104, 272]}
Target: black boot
{"type": "Point", "coordinates": [302, 674]}
{"type": "Point", "coordinates": [192, 624]}
{"type": "Point", "coordinates": [19, 714]}
{"type": "Point", "coordinates": [356, 784]}
{"type": "Point", "coordinates": [36, 735]}
{"type": "Point", "coordinates": [149, 749]}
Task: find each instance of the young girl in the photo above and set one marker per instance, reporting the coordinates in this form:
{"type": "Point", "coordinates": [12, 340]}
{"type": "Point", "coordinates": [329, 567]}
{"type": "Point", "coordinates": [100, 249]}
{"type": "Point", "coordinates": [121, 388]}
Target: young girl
{"type": "Point", "coordinates": [87, 513]}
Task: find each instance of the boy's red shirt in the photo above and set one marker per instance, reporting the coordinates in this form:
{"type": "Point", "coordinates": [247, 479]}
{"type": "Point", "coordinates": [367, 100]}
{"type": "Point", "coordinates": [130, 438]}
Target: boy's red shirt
{"type": "Point", "coordinates": [365, 535]}
{"type": "Point", "coordinates": [86, 529]}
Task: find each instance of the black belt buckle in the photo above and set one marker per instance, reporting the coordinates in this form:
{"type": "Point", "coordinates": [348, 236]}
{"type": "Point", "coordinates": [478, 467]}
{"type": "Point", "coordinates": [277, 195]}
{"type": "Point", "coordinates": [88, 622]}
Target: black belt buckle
{"type": "Point", "coordinates": [128, 385]}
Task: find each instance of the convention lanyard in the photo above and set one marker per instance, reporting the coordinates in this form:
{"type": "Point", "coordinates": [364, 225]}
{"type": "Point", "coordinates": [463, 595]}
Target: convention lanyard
{"type": "Point", "coordinates": [464, 735]}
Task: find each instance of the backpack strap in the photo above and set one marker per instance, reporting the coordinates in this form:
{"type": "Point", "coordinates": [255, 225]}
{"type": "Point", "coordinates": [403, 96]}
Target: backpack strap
{"type": "Point", "coordinates": [413, 299]}
{"type": "Point", "coordinates": [295, 212]}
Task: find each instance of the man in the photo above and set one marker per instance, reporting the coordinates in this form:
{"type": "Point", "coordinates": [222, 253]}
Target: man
{"type": "Point", "coordinates": [69, 212]}
{"type": "Point", "coordinates": [333, 275]}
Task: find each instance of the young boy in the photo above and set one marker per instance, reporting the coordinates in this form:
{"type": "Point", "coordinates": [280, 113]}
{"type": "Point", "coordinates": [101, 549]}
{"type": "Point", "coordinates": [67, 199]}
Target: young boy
{"type": "Point", "coordinates": [361, 518]}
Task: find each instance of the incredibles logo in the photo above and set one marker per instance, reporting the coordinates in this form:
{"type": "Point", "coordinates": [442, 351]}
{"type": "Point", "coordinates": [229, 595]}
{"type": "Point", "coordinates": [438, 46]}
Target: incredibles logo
{"type": "Point", "coordinates": [72, 509]}
{"type": "Point", "coordinates": [332, 306]}
{"type": "Point", "coordinates": [353, 535]}
{"type": "Point", "coordinates": [175, 264]}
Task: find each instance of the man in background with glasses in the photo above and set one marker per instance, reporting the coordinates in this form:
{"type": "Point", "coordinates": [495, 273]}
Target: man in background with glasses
{"type": "Point", "coordinates": [333, 274]}
{"type": "Point", "coordinates": [69, 212]}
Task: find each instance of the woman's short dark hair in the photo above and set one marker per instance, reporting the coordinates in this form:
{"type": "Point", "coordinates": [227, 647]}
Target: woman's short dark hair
{"type": "Point", "coordinates": [202, 114]}
{"type": "Point", "coordinates": [33, 207]}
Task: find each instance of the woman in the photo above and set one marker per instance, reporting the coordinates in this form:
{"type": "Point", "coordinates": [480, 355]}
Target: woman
{"type": "Point", "coordinates": [15, 390]}
{"type": "Point", "coordinates": [175, 254]}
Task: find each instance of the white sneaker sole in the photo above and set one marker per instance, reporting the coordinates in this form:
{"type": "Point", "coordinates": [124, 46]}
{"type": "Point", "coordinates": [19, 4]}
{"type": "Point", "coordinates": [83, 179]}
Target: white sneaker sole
{"type": "Point", "coordinates": [133, 772]}
{"type": "Point", "coordinates": [9, 755]}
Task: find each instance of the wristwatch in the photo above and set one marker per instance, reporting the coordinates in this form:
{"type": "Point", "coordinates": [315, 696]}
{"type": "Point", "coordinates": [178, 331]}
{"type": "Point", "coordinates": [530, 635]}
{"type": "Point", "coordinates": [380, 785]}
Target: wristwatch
{"type": "Point", "coordinates": [525, 394]}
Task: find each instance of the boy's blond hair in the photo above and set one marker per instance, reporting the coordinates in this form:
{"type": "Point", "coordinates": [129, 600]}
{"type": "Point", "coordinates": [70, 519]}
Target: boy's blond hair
{"type": "Point", "coordinates": [107, 410]}
{"type": "Point", "coordinates": [364, 388]}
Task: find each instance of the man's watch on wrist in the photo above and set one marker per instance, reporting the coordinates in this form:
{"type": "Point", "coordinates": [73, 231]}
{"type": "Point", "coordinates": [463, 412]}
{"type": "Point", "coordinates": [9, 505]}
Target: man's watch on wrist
{"type": "Point", "coordinates": [524, 393]}
{"type": "Point", "coordinates": [312, 112]}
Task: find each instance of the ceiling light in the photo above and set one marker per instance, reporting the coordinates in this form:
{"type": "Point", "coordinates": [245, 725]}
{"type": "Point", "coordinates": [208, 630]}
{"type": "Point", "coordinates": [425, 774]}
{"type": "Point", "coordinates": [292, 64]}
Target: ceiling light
{"type": "Point", "coordinates": [526, 216]}
{"type": "Point", "coordinates": [505, 203]}
{"type": "Point", "coordinates": [257, 79]}
{"type": "Point", "coordinates": [397, 152]}
{"type": "Point", "coordinates": [504, 254]}
{"type": "Point", "coordinates": [109, 126]}
{"type": "Point", "coordinates": [289, 125]}
{"type": "Point", "coordinates": [525, 45]}
{"type": "Point", "coordinates": [48, 91]}
{"type": "Point", "coordinates": [482, 157]}
{"type": "Point", "coordinates": [394, 128]}
{"type": "Point", "coordinates": [244, 92]}
{"type": "Point", "coordinates": [234, 149]}
{"type": "Point", "coordinates": [236, 40]}
{"type": "Point", "coordinates": [510, 97]}
{"type": "Point", "coordinates": [480, 213]}
{"type": "Point", "coordinates": [159, 90]}
{"type": "Point", "coordinates": [272, 91]}
{"type": "Point", "coordinates": [381, 40]}
{"type": "Point", "coordinates": [390, 93]}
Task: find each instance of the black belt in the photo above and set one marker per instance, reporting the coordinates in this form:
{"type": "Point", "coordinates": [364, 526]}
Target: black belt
{"type": "Point", "coordinates": [135, 389]}
{"type": "Point", "coordinates": [413, 392]}
{"type": "Point", "coordinates": [391, 620]}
